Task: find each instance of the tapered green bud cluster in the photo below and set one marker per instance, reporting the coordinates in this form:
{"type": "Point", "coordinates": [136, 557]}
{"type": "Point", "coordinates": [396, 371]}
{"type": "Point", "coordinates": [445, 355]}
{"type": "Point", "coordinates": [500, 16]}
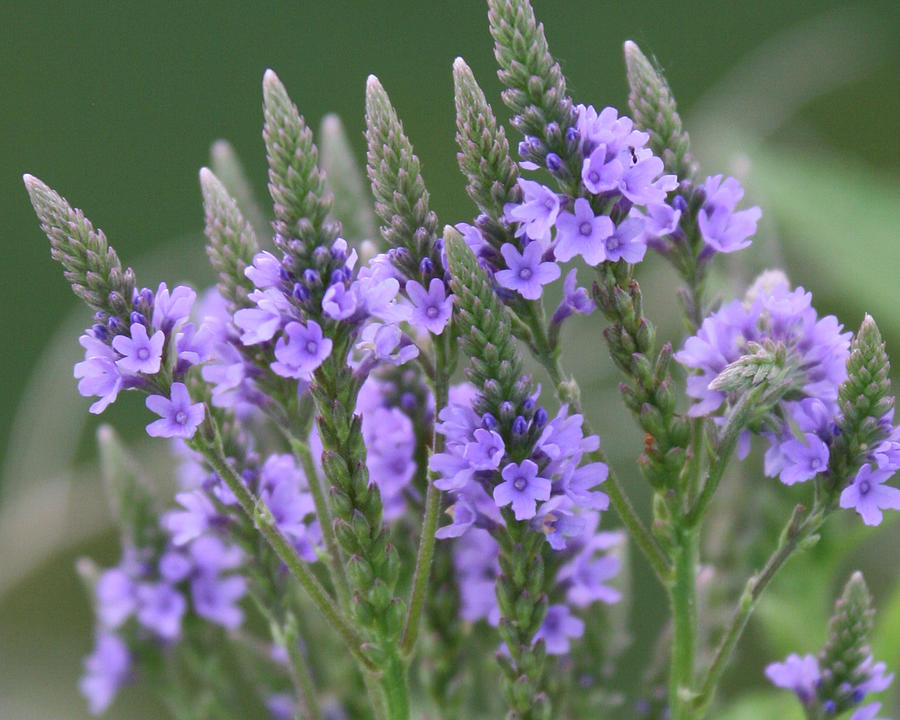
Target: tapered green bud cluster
{"type": "Point", "coordinates": [649, 395]}
{"type": "Point", "coordinates": [535, 85]}
{"type": "Point", "coordinates": [496, 369]}
{"type": "Point", "coordinates": [864, 399]}
{"type": "Point", "coordinates": [226, 165]}
{"type": "Point", "coordinates": [372, 563]}
{"type": "Point", "coordinates": [495, 366]}
{"type": "Point", "coordinates": [344, 180]}
{"type": "Point", "coordinates": [401, 199]}
{"type": "Point", "coordinates": [842, 658]}
{"type": "Point", "coordinates": [296, 183]}
{"type": "Point", "coordinates": [653, 109]}
{"type": "Point", "coordinates": [483, 155]}
{"type": "Point", "coordinates": [231, 242]}
{"type": "Point", "coordinates": [89, 263]}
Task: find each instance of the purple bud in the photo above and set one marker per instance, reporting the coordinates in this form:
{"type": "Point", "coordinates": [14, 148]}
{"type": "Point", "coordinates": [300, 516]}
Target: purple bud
{"type": "Point", "coordinates": [100, 332]}
{"type": "Point", "coordinates": [554, 162]}
{"type": "Point", "coordinates": [528, 404]}
{"type": "Point", "coordinates": [829, 706]}
{"type": "Point", "coordinates": [540, 417]}
{"type": "Point", "coordinates": [400, 253]}
{"type": "Point", "coordinates": [115, 325]}
{"type": "Point", "coordinates": [520, 425]}
{"type": "Point", "coordinates": [426, 267]}
{"type": "Point", "coordinates": [285, 274]}
{"type": "Point", "coordinates": [300, 292]}
{"type": "Point", "coordinates": [288, 261]}
{"type": "Point", "coordinates": [100, 316]}
{"type": "Point", "coordinates": [311, 277]}
{"type": "Point", "coordinates": [279, 241]}
{"type": "Point", "coordinates": [136, 317]}
{"type": "Point", "coordinates": [507, 410]}
{"type": "Point", "coordinates": [408, 402]}
{"type": "Point", "coordinates": [679, 203]}
{"type": "Point", "coordinates": [572, 135]}
{"type": "Point", "coordinates": [524, 149]}
{"type": "Point", "coordinates": [552, 129]}
{"type": "Point", "coordinates": [321, 255]}
{"type": "Point", "coordinates": [488, 421]}
{"type": "Point", "coordinates": [296, 247]}
{"type": "Point", "coordinates": [337, 276]}
{"type": "Point", "coordinates": [857, 695]}
{"type": "Point", "coordinates": [248, 475]}
{"type": "Point", "coordinates": [338, 253]}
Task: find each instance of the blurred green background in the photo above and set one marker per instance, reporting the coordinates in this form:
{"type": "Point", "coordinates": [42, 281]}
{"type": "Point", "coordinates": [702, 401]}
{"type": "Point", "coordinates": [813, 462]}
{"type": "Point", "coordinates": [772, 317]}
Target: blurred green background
{"type": "Point", "coordinates": [115, 105]}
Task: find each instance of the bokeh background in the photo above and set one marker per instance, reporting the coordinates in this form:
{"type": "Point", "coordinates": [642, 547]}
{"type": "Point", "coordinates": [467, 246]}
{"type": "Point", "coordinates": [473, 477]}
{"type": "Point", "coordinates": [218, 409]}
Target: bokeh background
{"type": "Point", "coordinates": [116, 104]}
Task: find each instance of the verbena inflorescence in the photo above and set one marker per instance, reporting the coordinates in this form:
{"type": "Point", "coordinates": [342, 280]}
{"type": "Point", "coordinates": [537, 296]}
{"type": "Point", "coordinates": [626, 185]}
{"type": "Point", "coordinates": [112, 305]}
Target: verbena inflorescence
{"type": "Point", "coordinates": [349, 507]}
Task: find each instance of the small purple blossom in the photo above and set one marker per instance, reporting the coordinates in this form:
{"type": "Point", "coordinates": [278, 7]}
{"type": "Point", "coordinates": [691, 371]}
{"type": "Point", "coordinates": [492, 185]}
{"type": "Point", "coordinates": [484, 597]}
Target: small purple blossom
{"type": "Point", "coordinates": [526, 274]}
{"type": "Point", "coordinates": [142, 354]}
{"type": "Point", "coordinates": [721, 228]}
{"type": "Point", "coordinates": [575, 299]}
{"type": "Point", "coordinates": [800, 674]}
{"type": "Point", "coordinates": [432, 308]}
{"type": "Point", "coordinates": [868, 494]}
{"type": "Point", "coordinates": [301, 350]}
{"type": "Point", "coordinates": [171, 309]}
{"type": "Point", "coordinates": [265, 271]}
{"type": "Point", "coordinates": [215, 598]}
{"type": "Point", "coordinates": [339, 303]}
{"type": "Point", "coordinates": [804, 459]}
{"type": "Point", "coordinates": [106, 669]}
{"type": "Point", "coordinates": [179, 418]}
{"type": "Point", "coordinates": [116, 597]}
{"type": "Point", "coordinates": [582, 233]}
{"type": "Point", "coordinates": [628, 242]}
{"type": "Point", "coordinates": [161, 608]}
{"type": "Point", "coordinates": [522, 488]}
{"type": "Point", "coordinates": [536, 214]}
{"type": "Point", "coordinates": [559, 626]}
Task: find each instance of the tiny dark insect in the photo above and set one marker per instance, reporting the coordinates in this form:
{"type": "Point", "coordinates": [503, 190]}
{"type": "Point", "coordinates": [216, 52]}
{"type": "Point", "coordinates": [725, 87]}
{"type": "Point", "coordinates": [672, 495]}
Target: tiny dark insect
{"type": "Point", "coordinates": [633, 155]}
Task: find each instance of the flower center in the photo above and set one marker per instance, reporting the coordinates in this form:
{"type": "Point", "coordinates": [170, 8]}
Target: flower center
{"type": "Point", "coordinates": [525, 273]}
{"type": "Point", "coordinates": [143, 353]}
{"type": "Point", "coordinates": [549, 203]}
{"type": "Point", "coordinates": [612, 243]}
{"type": "Point", "coordinates": [181, 417]}
{"type": "Point", "coordinates": [520, 483]}
{"type": "Point", "coordinates": [864, 487]}
{"type": "Point", "coordinates": [431, 311]}
{"type": "Point", "coordinates": [585, 228]}
{"type": "Point", "coordinates": [312, 347]}
{"type": "Point", "coordinates": [594, 176]}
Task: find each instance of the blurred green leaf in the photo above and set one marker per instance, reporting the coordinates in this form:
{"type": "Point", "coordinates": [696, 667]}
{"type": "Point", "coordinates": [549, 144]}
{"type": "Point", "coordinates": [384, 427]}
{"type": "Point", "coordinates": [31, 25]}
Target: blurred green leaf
{"type": "Point", "coordinates": [775, 704]}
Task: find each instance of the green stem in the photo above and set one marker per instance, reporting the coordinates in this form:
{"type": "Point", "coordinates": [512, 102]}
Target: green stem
{"type": "Point", "coordinates": [683, 600]}
{"type": "Point", "coordinates": [427, 541]}
{"type": "Point", "coordinates": [797, 530]}
{"type": "Point", "coordinates": [393, 684]}
{"type": "Point", "coordinates": [300, 675]}
{"type": "Point", "coordinates": [323, 514]}
{"type": "Point", "coordinates": [215, 456]}
{"type": "Point", "coordinates": [737, 421]}
{"type": "Point", "coordinates": [568, 391]}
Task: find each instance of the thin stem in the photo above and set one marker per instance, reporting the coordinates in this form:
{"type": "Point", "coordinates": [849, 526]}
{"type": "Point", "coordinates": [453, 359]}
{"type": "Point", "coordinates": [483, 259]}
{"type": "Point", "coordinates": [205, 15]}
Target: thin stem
{"type": "Point", "coordinates": [568, 391]}
{"type": "Point", "coordinates": [432, 510]}
{"type": "Point", "coordinates": [323, 514]}
{"type": "Point", "coordinates": [215, 456]}
{"type": "Point", "coordinates": [683, 600]}
{"type": "Point", "coordinates": [737, 421]}
{"type": "Point", "coordinates": [300, 675]}
{"type": "Point", "coordinates": [797, 530]}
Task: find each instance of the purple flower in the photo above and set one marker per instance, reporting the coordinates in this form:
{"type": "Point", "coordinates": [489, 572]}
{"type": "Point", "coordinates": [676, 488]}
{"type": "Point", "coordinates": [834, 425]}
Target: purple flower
{"type": "Point", "coordinates": [601, 171]}
{"type": "Point", "coordinates": [97, 374]}
{"type": "Point", "coordinates": [116, 599]}
{"type": "Point", "coordinates": [161, 608]}
{"type": "Point", "coordinates": [215, 599]}
{"type": "Point", "coordinates": [866, 713]}
{"type": "Point", "coordinates": [487, 450]}
{"type": "Point", "coordinates": [432, 308]}
{"type": "Point", "coordinates": [259, 324]}
{"type": "Point", "coordinates": [582, 234]}
{"type": "Point", "coordinates": [536, 213]}
{"type": "Point", "coordinates": [105, 670]}
{"type": "Point", "coordinates": [265, 271]}
{"type": "Point", "coordinates": [627, 242]}
{"type": "Point", "coordinates": [585, 575]}
{"type": "Point", "coordinates": [868, 494]}
{"type": "Point", "coordinates": [558, 627]}
{"type": "Point", "coordinates": [281, 706]}
{"type": "Point", "coordinates": [575, 299]}
{"type": "Point", "coordinates": [301, 350]}
{"type": "Point", "coordinates": [463, 515]}
{"type": "Point", "coordinates": [800, 674]}
{"type": "Point", "coordinates": [526, 273]}
{"type": "Point", "coordinates": [721, 228]}
{"type": "Point", "coordinates": [186, 525]}
{"type": "Point", "coordinates": [179, 418]}
{"type": "Point", "coordinates": [522, 487]}
{"type": "Point", "coordinates": [174, 567]}
{"type": "Point", "coordinates": [141, 353]}
{"type": "Point", "coordinates": [661, 219]}
{"type": "Point", "coordinates": [339, 303]}
{"type": "Point", "coordinates": [386, 343]}
{"type": "Point", "coordinates": [804, 459]}
{"type": "Point", "coordinates": [170, 310]}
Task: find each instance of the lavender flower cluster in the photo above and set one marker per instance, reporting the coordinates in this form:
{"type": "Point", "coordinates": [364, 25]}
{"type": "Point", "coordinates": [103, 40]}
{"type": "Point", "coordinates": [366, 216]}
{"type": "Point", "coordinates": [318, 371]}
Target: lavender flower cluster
{"type": "Point", "coordinates": [312, 404]}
